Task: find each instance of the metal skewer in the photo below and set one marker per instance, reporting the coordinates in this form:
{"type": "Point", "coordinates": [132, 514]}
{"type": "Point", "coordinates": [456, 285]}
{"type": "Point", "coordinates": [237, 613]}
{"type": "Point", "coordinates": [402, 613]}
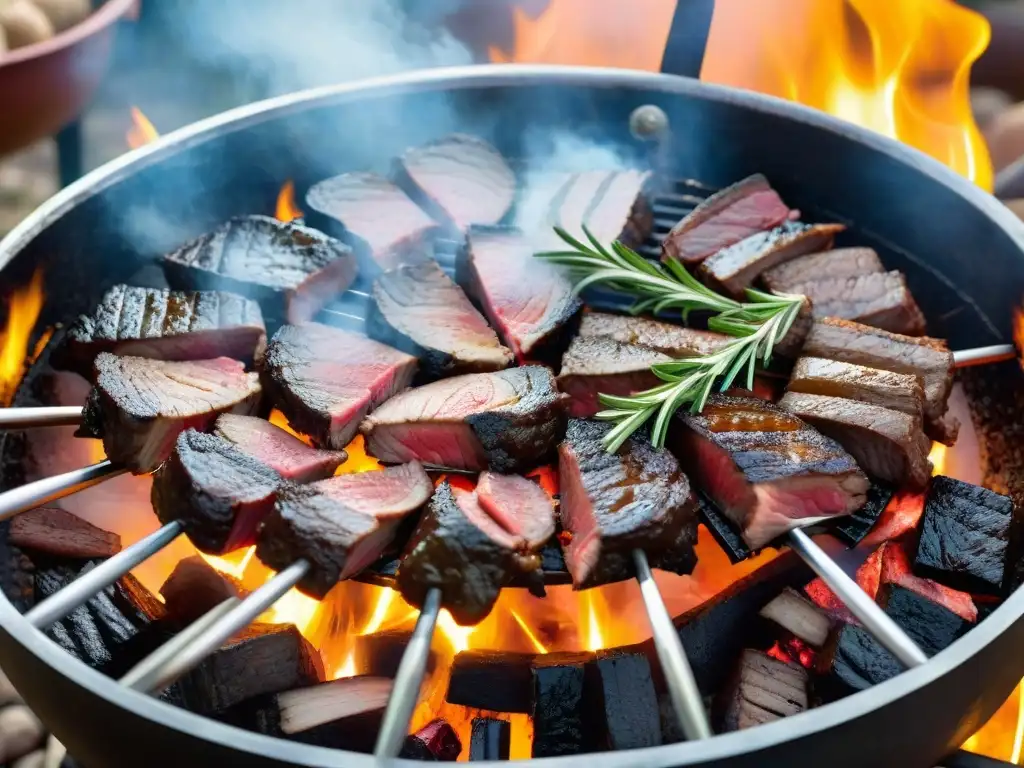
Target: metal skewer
{"type": "Point", "coordinates": [48, 489]}
{"type": "Point", "coordinates": [51, 416]}
{"type": "Point", "coordinates": [997, 353]}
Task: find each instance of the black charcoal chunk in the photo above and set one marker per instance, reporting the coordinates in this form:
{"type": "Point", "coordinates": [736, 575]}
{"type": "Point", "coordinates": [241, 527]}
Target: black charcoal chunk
{"type": "Point", "coordinates": [490, 739]}
{"type": "Point", "coordinates": [558, 708]}
{"type": "Point", "coordinates": [622, 703]}
{"type": "Point", "coordinates": [853, 528]}
{"type": "Point", "coordinates": [728, 538]}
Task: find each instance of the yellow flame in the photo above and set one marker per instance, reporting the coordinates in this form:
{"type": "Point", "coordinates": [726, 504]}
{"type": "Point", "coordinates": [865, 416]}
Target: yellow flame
{"type": "Point", "coordinates": [458, 636]}
{"type": "Point", "coordinates": [286, 209]}
{"type": "Point", "coordinates": [537, 644]}
{"type": "Point", "coordinates": [142, 131]}
{"type": "Point", "coordinates": [595, 640]}
{"type": "Point", "coordinates": [380, 612]}
{"type": "Point", "coordinates": [25, 305]}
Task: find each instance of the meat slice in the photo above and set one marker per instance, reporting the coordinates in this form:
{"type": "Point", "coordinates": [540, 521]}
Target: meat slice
{"type": "Point", "coordinates": [291, 269]}
{"type": "Point", "coordinates": [672, 340]}
{"type": "Point", "coordinates": [922, 356]}
{"type": "Point", "coordinates": [881, 300]}
{"type": "Point", "coordinates": [762, 689]}
{"type": "Point", "coordinates": [139, 406]}
{"type": "Point", "coordinates": [518, 505]}
{"type": "Point", "coordinates": [767, 471]}
{"type": "Point", "coordinates": [291, 458]}
{"type": "Point", "coordinates": [528, 300]}
{"type": "Point", "coordinates": [325, 380]}
{"type": "Point", "coordinates": [888, 444]}
{"type": "Point", "coordinates": [734, 269]}
{"type": "Point", "coordinates": [827, 265]}
{"type": "Point", "coordinates": [727, 217]}
{"type": "Point", "coordinates": [509, 421]}
{"type": "Point", "coordinates": [818, 376]}
{"type": "Point", "coordinates": [421, 311]}
{"type": "Point", "coordinates": [459, 180]}
{"type": "Point", "coordinates": [594, 366]}
{"type": "Point", "coordinates": [164, 325]}
{"type": "Point", "coordinates": [384, 223]}
{"type": "Point", "coordinates": [342, 524]}
{"type": "Point", "coordinates": [611, 504]}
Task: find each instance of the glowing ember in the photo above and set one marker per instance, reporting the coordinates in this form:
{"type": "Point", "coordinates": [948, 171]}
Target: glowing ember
{"type": "Point", "coordinates": [937, 456]}
{"type": "Point", "coordinates": [142, 131]}
{"type": "Point", "coordinates": [286, 209]}
{"type": "Point", "coordinates": [25, 305]}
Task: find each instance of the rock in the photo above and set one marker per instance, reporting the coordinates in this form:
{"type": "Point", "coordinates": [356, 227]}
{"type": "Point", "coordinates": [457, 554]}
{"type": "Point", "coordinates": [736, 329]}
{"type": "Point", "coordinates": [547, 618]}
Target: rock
{"type": "Point", "coordinates": [986, 104]}
{"type": "Point", "coordinates": [20, 732]}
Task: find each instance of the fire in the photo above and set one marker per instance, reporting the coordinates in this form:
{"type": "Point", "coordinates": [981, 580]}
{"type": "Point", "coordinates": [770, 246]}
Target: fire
{"type": "Point", "coordinates": [286, 209]}
{"type": "Point", "coordinates": [1018, 332]}
{"type": "Point", "coordinates": [142, 131]}
{"type": "Point", "coordinates": [25, 305]}
{"type": "Point", "coordinates": [937, 456]}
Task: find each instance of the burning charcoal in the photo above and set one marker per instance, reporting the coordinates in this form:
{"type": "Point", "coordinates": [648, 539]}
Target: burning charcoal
{"type": "Point", "coordinates": [194, 587]}
{"type": "Point", "coordinates": [284, 453]}
{"type": "Point", "coordinates": [140, 406]}
{"type": "Point", "coordinates": [291, 269]}
{"type": "Point", "coordinates": [164, 325]}
{"type": "Point", "coordinates": [340, 525]}
{"type": "Point", "coordinates": [636, 498]}
{"type": "Point", "coordinates": [854, 528]}
{"type": "Point", "coordinates": [58, 532]}
{"type": "Point", "coordinates": [763, 689]}
{"type": "Point", "coordinates": [898, 391]}
{"type": "Point", "coordinates": [325, 380]}
{"type": "Point", "coordinates": [827, 265]}
{"type": "Point", "coordinates": [558, 707]}
{"type": "Point", "coordinates": [725, 533]}
{"type": "Point", "coordinates": [798, 615]}
{"type": "Point", "coordinates": [750, 454]}
{"type": "Point", "coordinates": [500, 681]}
{"type": "Point", "coordinates": [490, 739]}
{"type": "Point", "coordinates": [434, 742]}
{"type": "Point", "coordinates": [596, 366]}
{"type": "Point", "coordinates": [508, 421]}
{"type": "Point", "coordinates": [418, 309]}
{"type": "Point", "coordinates": [964, 535]}
{"type": "Point", "coordinates": [672, 340]}
{"type": "Point", "coordinates": [724, 219]}
{"type": "Point", "coordinates": [622, 701]}
{"type": "Point", "coordinates": [879, 300]}
{"type": "Point", "coordinates": [380, 654]}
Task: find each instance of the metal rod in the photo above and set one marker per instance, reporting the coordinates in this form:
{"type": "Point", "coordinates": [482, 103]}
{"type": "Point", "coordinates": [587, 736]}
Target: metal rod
{"type": "Point", "coordinates": [189, 655]}
{"type": "Point", "coordinates": [48, 489]}
{"type": "Point", "coordinates": [682, 687]}
{"type": "Point", "coordinates": [997, 353]}
{"type": "Point", "coordinates": [61, 603]}
{"type": "Point", "coordinates": [406, 690]}
{"type": "Point", "coordinates": [868, 612]}
{"type": "Point", "coordinates": [52, 416]}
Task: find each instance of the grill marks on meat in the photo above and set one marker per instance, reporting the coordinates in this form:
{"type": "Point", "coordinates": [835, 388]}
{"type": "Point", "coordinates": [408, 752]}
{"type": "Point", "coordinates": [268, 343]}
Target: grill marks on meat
{"type": "Point", "coordinates": [672, 340]}
{"type": "Point", "coordinates": [611, 504]}
{"type": "Point", "coordinates": [509, 421]}
{"type": "Point", "coordinates": [384, 223]}
{"type": "Point", "coordinates": [421, 311]}
{"type": "Point", "coordinates": [593, 366]}
{"type": "Point", "coordinates": [165, 325]}
{"type": "Point", "coordinates": [325, 380]}
{"type": "Point", "coordinates": [530, 301]}
{"type": "Point", "coordinates": [459, 180]}
{"type": "Point", "coordinates": [827, 265]}
{"type": "Point", "coordinates": [898, 391]}
{"type": "Point", "coordinates": [140, 406]}
{"type": "Point", "coordinates": [724, 219]}
{"type": "Point", "coordinates": [342, 524]}
{"type": "Point", "coordinates": [767, 470]}
{"type": "Point", "coordinates": [880, 300]}
{"type": "Point", "coordinates": [291, 458]}
{"type": "Point", "coordinates": [293, 269]}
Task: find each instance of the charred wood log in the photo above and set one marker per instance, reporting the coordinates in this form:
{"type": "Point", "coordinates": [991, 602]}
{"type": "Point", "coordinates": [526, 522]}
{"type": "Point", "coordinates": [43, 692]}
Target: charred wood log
{"type": "Point", "coordinates": [434, 742]}
{"type": "Point", "coordinates": [558, 685]}
{"type": "Point", "coordinates": [194, 587]}
{"type": "Point", "coordinates": [57, 532]}
{"type": "Point", "coordinates": [490, 739]}
{"type": "Point", "coordinates": [762, 689]}
{"type": "Point", "coordinates": [622, 705]}
{"type": "Point", "coordinates": [799, 616]}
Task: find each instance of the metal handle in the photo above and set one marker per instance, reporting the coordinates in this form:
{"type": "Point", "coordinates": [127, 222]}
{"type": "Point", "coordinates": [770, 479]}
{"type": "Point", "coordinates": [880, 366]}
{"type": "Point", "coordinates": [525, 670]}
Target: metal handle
{"type": "Point", "coordinates": [51, 416]}
{"type": "Point", "coordinates": [32, 495]}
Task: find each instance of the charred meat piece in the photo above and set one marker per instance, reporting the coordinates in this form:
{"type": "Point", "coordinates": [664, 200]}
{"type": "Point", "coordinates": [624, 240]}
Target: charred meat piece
{"type": "Point", "coordinates": [727, 217]}
{"type": "Point", "coordinates": [611, 504]}
{"type": "Point", "coordinates": [964, 536]}
{"type": "Point", "coordinates": [833, 378]}
{"type": "Point", "coordinates": [827, 265]}
{"type": "Point", "coordinates": [340, 525]}
{"type": "Point", "coordinates": [594, 366]}
{"type": "Point", "coordinates": [421, 311]}
{"type": "Point", "coordinates": [530, 301]}
{"type": "Point", "coordinates": [762, 690]}
{"type": "Point", "coordinates": [798, 615]}
{"type": "Point", "coordinates": [58, 532]}
{"type": "Point", "coordinates": [164, 325]}
{"type": "Point", "coordinates": [879, 300]}
{"type": "Point", "coordinates": [672, 340]}
{"type": "Point", "coordinates": [459, 180]}
{"type": "Point", "coordinates": [888, 444]}
{"type": "Point", "coordinates": [378, 216]}
{"type": "Point", "coordinates": [140, 406]}
{"type": "Point", "coordinates": [284, 453]}
{"type": "Point", "coordinates": [194, 587]}
{"type": "Point", "coordinates": [291, 269]}
{"type": "Point", "coordinates": [325, 379]}
{"type": "Point", "coordinates": [509, 421]}
{"type": "Point", "coordinates": [767, 470]}
{"type": "Point", "coordinates": [735, 268]}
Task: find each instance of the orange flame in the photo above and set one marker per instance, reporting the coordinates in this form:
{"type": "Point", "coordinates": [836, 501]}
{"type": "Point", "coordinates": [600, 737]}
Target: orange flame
{"type": "Point", "coordinates": [1018, 332]}
{"type": "Point", "coordinates": [25, 305]}
{"type": "Point", "coordinates": [142, 131]}
{"type": "Point", "coordinates": [286, 209]}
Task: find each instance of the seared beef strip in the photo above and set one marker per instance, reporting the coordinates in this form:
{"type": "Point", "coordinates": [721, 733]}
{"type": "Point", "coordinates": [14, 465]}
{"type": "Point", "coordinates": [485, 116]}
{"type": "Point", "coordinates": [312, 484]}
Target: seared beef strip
{"type": "Point", "coordinates": [826, 265]}
{"type": "Point", "coordinates": [291, 269]}
{"type": "Point", "coordinates": [325, 379]}
{"type": "Point", "coordinates": [593, 366]}
{"type": "Point", "coordinates": [762, 690]}
{"type": "Point", "coordinates": [767, 470]}
{"type": "Point", "coordinates": [898, 391]}
{"type": "Point", "coordinates": [528, 300]}
{"type": "Point", "coordinates": [140, 406]}
{"type": "Point", "coordinates": [727, 217]}
{"type": "Point", "coordinates": [611, 504]}
{"type": "Point", "coordinates": [518, 505]}
{"type": "Point", "coordinates": [291, 458]}
{"type": "Point", "coordinates": [509, 421]}
{"type": "Point", "coordinates": [377, 216]}
{"type": "Point", "coordinates": [672, 340]}
{"type": "Point", "coordinates": [340, 525]}
{"type": "Point", "coordinates": [419, 310]}
{"type": "Point", "coordinates": [879, 300]}
{"type": "Point", "coordinates": [887, 444]}
{"type": "Point", "coordinates": [459, 180]}
{"type": "Point", "coordinates": [164, 325]}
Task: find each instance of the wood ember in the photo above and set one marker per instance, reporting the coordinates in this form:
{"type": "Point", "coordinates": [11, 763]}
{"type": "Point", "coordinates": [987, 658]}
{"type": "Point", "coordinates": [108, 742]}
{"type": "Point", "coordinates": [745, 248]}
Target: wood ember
{"type": "Point", "coordinates": [490, 739]}
{"type": "Point", "coordinates": [380, 654]}
{"type": "Point", "coordinates": [499, 681]}
{"type": "Point", "coordinates": [798, 615]}
{"type": "Point", "coordinates": [621, 701]}
{"type": "Point", "coordinates": [762, 689]}
{"type": "Point", "coordinates": [558, 727]}
{"type": "Point", "coordinates": [435, 742]}
{"type": "Point", "coordinates": [58, 532]}
{"type": "Point", "coordinates": [194, 587]}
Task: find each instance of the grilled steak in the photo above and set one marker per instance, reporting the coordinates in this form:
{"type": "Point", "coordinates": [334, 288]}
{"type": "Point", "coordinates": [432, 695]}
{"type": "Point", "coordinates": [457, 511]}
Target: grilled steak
{"type": "Point", "coordinates": [827, 265]}
{"type": "Point", "coordinates": [164, 325]}
{"type": "Point", "coordinates": [672, 340]}
{"type": "Point", "coordinates": [519, 505]}
{"type": "Point", "coordinates": [459, 180]}
{"type": "Point", "coordinates": [139, 406]}
{"type": "Point", "coordinates": [762, 690]}
{"type": "Point", "coordinates": [292, 270]}
{"type": "Point", "coordinates": [727, 217]}
{"type": "Point", "coordinates": [593, 366]}
{"type": "Point", "coordinates": [767, 470]}
{"type": "Point", "coordinates": [888, 444]}
{"type": "Point", "coordinates": [325, 380]}
{"type": "Point", "coordinates": [530, 301]}
{"type": "Point", "coordinates": [735, 268]}
{"type": "Point", "coordinates": [342, 524]}
{"type": "Point", "coordinates": [291, 458]}
{"type": "Point", "coordinates": [385, 224]}
{"type": "Point", "coordinates": [421, 311]}
{"type": "Point", "coordinates": [922, 356]}
{"type": "Point", "coordinates": [817, 376]}
{"type": "Point", "coordinates": [611, 504]}
{"type": "Point", "coordinates": [509, 421]}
